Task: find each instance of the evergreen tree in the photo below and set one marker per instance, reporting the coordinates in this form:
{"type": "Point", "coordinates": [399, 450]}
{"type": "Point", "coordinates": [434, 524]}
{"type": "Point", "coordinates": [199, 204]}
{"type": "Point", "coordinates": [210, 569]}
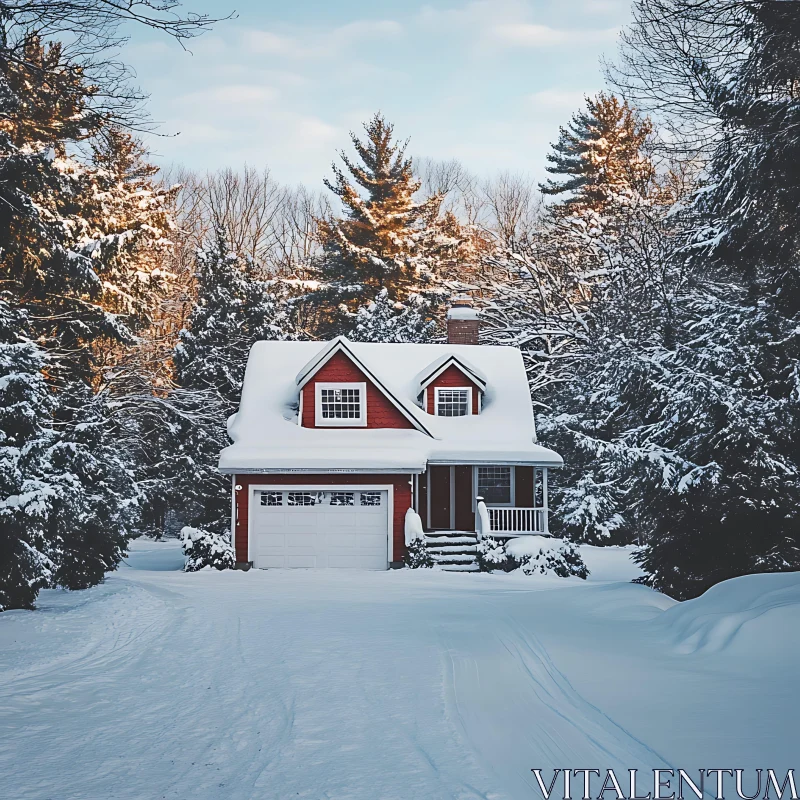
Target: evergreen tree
{"type": "Point", "coordinates": [74, 232]}
{"type": "Point", "coordinates": [387, 239]}
{"type": "Point", "coordinates": [600, 151]}
{"type": "Point", "coordinates": [734, 397]}
{"type": "Point", "coordinates": [26, 409]}
{"type": "Point", "coordinates": [94, 510]}
{"type": "Point", "coordinates": [233, 310]}
{"type": "Point", "coordinates": [751, 207]}
{"type": "Point", "coordinates": [385, 321]}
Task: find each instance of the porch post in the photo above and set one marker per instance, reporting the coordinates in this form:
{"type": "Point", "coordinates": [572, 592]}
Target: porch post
{"type": "Point", "coordinates": [544, 500]}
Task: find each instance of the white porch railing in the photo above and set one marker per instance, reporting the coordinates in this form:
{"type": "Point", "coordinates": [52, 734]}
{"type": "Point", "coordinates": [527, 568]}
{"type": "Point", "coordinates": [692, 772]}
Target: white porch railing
{"type": "Point", "coordinates": [512, 521]}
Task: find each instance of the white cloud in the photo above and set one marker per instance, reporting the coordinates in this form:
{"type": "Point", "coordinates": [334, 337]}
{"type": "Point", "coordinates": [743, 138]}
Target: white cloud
{"type": "Point", "coordinates": [605, 6]}
{"type": "Point", "coordinates": [308, 44]}
{"type": "Point", "coordinates": [236, 95]}
{"type": "Point", "coordinates": [531, 35]}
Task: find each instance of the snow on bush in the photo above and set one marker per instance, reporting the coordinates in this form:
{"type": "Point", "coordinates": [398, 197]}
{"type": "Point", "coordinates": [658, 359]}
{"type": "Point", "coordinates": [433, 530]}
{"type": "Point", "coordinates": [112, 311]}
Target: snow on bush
{"type": "Point", "coordinates": [206, 549]}
{"type": "Point", "coordinates": [492, 556]}
{"type": "Point", "coordinates": [542, 555]}
{"type": "Point", "coordinates": [413, 527]}
{"type": "Point", "coordinates": [417, 554]}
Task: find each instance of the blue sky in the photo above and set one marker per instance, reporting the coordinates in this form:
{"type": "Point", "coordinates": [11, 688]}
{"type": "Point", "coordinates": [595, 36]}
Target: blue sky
{"type": "Point", "coordinates": [487, 82]}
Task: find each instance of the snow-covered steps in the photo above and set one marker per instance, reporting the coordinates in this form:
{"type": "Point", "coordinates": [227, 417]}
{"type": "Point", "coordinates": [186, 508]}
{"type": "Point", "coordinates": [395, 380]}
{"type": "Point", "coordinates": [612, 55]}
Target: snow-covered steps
{"type": "Point", "coordinates": [454, 551]}
{"type": "Point", "coordinates": [460, 567]}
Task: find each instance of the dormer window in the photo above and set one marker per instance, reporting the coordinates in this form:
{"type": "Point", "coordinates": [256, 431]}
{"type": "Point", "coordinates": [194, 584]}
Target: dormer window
{"type": "Point", "coordinates": [341, 405]}
{"type": "Point", "coordinates": [453, 402]}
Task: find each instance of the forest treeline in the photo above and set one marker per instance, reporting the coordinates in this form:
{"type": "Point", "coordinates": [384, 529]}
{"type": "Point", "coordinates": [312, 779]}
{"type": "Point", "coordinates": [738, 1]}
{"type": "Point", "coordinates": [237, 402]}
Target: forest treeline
{"type": "Point", "coordinates": [652, 284]}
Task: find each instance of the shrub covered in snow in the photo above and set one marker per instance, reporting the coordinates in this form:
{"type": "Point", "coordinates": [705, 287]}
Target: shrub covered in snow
{"type": "Point", "coordinates": [418, 556]}
{"type": "Point", "coordinates": [206, 549]}
{"type": "Point", "coordinates": [492, 556]}
{"type": "Point", "coordinates": [542, 555]}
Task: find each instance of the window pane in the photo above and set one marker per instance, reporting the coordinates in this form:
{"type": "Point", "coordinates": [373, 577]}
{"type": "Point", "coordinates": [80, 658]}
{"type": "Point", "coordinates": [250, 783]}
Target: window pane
{"type": "Point", "coordinates": [340, 403]}
{"type": "Point", "coordinates": [538, 494]}
{"type": "Point", "coordinates": [342, 498]}
{"type": "Point", "coordinates": [271, 498]}
{"type": "Point", "coordinates": [302, 499]}
{"type": "Point", "coordinates": [494, 484]}
{"type": "Point", "coordinates": [370, 498]}
{"type": "Point", "coordinates": [452, 402]}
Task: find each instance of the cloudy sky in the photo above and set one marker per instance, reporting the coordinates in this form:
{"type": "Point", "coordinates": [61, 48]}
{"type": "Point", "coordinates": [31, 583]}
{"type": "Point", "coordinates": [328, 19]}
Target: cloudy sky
{"type": "Point", "coordinates": [487, 82]}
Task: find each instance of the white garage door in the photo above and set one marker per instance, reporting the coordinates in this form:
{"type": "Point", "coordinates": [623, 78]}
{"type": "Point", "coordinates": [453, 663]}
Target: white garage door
{"type": "Point", "coordinates": [344, 528]}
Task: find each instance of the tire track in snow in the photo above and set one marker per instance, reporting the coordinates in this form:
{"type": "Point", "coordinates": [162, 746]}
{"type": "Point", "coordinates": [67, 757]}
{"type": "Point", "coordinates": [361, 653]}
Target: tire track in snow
{"type": "Point", "coordinates": [518, 711]}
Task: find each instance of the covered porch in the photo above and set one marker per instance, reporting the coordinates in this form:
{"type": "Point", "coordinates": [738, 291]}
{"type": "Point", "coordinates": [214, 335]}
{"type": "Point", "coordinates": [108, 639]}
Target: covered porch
{"type": "Point", "coordinates": [447, 498]}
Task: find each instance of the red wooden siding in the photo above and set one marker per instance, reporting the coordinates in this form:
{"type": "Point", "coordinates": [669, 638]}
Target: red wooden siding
{"type": "Point", "coordinates": [402, 501]}
{"type": "Point", "coordinates": [340, 369]}
{"type": "Point", "coordinates": [452, 376]}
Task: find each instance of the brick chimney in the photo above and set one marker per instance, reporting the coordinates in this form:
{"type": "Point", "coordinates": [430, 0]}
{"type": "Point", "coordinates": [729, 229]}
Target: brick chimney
{"type": "Point", "coordinates": [462, 321]}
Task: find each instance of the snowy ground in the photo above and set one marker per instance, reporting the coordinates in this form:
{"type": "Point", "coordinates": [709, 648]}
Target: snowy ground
{"type": "Point", "coordinates": [160, 684]}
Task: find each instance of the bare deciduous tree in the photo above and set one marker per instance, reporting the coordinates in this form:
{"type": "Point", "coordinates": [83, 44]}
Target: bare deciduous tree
{"type": "Point", "coordinates": [514, 207]}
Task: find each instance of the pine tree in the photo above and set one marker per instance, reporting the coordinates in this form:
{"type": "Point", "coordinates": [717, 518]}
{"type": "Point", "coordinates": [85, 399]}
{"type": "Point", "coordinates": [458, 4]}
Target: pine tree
{"type": "Point", "coordinates": [76, 233]}
{"type": "Point", "coordinates": [734, 399]}
{"type": "Point", "coordinates": [751, 207]}
{"type": "Point", "coordinates": [601, 151]}
{"type": "Point", "coordinates": [26, 410]}
{"type": "Point", "coordinates": [233, 310]}
{"type": "Point", "coordinates": [385, 321]}
{"type": "Point", "coordinates": [77, 272]}
{"type": "Point", "coordinates": [95, 507]}
{"type": "Point", "coordinates": [386, 240]}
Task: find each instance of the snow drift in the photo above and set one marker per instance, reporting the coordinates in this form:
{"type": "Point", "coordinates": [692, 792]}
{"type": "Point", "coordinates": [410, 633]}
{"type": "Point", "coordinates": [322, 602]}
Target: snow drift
{"type": "Point", "coordinates": [742, 614]}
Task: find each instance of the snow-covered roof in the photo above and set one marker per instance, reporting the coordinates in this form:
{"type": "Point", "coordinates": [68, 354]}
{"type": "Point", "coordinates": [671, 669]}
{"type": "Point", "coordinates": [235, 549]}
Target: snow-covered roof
{"type": "Point", "coordinates": [267, 438]}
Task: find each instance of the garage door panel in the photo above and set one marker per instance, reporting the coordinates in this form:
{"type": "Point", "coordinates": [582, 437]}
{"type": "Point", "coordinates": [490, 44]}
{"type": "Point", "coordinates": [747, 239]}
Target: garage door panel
{"type": "Point", "coordinates": [301, 561]}
{"type": "Point", "coordinates": [271, 543]}
{"type": "Point", "coordinates": [370, 522]}
{"type": "Point", "coordinates": [305, 542]}
{"type": "Point", "coordinates": [338, 531]}
{"type": "Point", "coordinates": [372, 543]}
{"type": "Point", "coordinates": [270, 522]}
{"type": "Point", "coordinates": [347, 520]}
{"type": "Point", "coordinates": [343, 562]}
{"type": "Point", "coordinates": [342, 540]}
{"type": "Point", "coordinates": [300, 517]}
{"type": "Point", "coordinates": [272, 562]}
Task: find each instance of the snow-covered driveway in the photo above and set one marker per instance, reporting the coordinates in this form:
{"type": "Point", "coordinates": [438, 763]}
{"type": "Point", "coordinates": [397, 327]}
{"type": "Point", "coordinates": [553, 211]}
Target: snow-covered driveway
{"type": "Point", "coordinates": [304, 684]}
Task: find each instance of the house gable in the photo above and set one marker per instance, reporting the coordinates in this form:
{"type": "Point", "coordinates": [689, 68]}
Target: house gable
{"type": "Point", "coordinates": [340, 368]}
{"type": "Point", "coordinates": [452, 377]}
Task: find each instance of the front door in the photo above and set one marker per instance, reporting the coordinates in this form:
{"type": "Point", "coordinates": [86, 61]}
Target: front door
{"type": "Point", "coordinates": [439, 498]}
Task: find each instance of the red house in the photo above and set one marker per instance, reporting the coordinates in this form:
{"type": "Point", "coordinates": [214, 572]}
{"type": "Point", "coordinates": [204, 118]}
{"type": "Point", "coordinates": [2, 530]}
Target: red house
{"type": "Point", "coordinates": [334, 441]}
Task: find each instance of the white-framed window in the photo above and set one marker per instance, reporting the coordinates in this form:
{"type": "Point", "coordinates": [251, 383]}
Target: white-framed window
{"type": "Point", "coordinates": [496, 485]}
{"type": "Point", "coordinates": [304, 498]}
{"type": "Point", "coordinates": [370, 498]}
{"type": "Point", "coordinates": [341, 405]}
{"type": "Point", "coordinates": [271, 498]}
{"type": "Point", "coordinates": [342, 498]}
{"type": "Point", "coordinates": [453, 401]}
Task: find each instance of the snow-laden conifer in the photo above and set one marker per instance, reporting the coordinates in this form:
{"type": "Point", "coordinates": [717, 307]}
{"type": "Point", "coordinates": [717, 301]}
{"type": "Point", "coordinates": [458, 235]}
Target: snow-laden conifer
{"type": "Point", "coordinates": [384, 320]}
